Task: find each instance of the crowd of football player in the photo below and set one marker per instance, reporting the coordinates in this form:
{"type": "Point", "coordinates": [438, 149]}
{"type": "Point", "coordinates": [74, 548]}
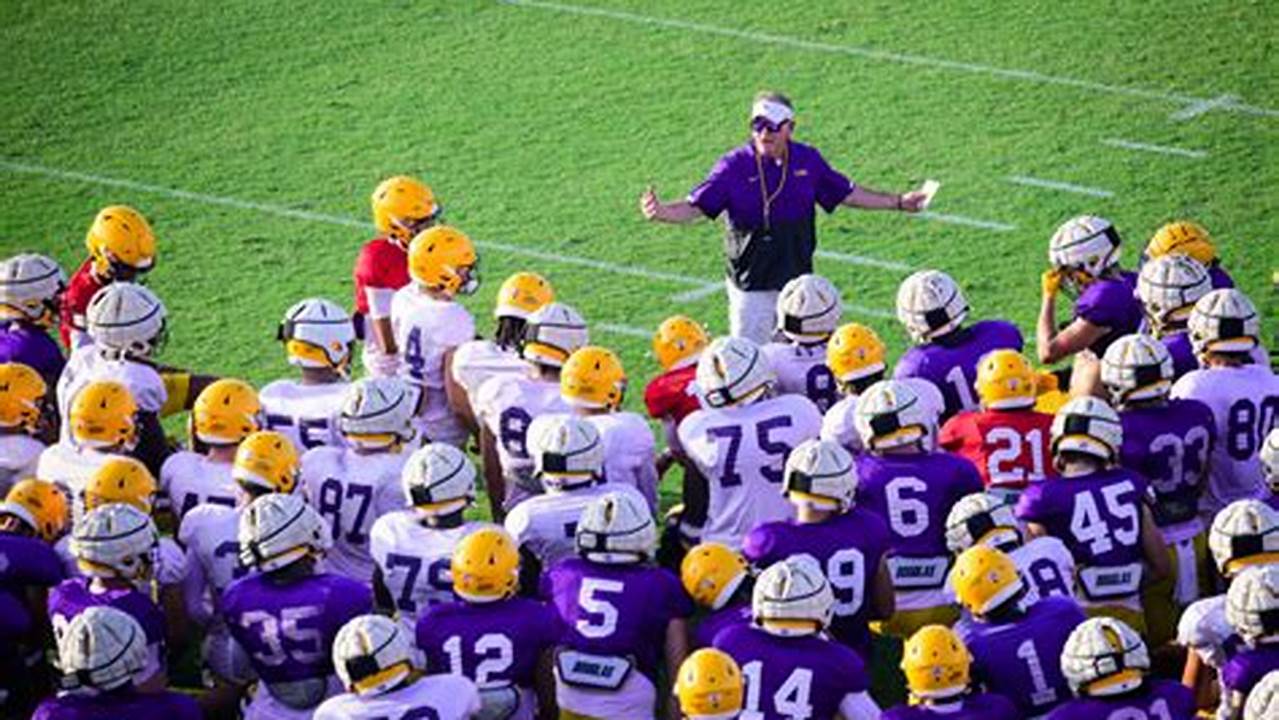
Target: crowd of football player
{"type": "Point", "coordinates": [1101, 542]}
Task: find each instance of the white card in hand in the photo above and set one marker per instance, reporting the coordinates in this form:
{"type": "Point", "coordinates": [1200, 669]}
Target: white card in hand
{"type": "Point", "coordinates": [929, 189]}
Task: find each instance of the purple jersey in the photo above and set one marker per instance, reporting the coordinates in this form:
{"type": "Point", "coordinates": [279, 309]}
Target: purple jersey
{"type": "Point", "coordinates": [1248, 666]}
{"type": "Point", "coordinates": [808, 671]}
{"type": "Point", "coordinates": [914, 493]}
{"type": "Point", "coordinates": [732, 614]}
{"type": "Point", "coordinates": [1098, 517]}
{"type": "Point", "coordinates": [1169, 446]}
{"type": "Point", "coordinates": [951, 365]}
{"type": "Point", "coordinates": [23, 342]}
{"type": "Point", "coordinates": [1182, 353]}
{"type": "Point", "coordinates": [615, 610]}
{"type": "Point", "coordinates": [1219, 277]}
{"type": "Point", "coordinates": [1110, 302]}
{"type": "Point", "coordinates": [495, 644]}
{"type": "Point", "coordinates": [288, 629]}
{"type": "Point", "coordinates": [72, 597]}
{"type": "Point", "coordinates": [849, 547]}
{"type": "Point", "coordinates": [1021, 659]}
{"type": "Point", "coordinates": [1156, 700]}
{"type": "Point", "coordinates": [24, 562]}
{"type": "Point", "coordinates": [971, 707]}
{"type": "Point", "coordinates": [117, 704]}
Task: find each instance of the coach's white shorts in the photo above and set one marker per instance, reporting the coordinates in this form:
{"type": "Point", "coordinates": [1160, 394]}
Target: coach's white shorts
{"type": "Point", "coordinates": [752, 314]}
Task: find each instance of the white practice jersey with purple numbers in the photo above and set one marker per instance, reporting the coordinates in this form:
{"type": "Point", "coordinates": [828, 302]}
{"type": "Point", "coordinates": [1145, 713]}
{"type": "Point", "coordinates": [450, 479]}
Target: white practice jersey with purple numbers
{"type": "Point", "coordinates": [351, 491]}
{"type": "Point", "coordinates": [188, 479]}
{"type": "Point", "coordinates": [305, 414]}
{"type": "Point", "coordinates": [415, 561]}
{"type": "Point", "coordinates": [506, 405]}
{"type": "Point", "coordinates": [425, 331]}
{"type": "Point", "coordinates": [630, 452]}
{"type": "Point", "coordinates": [801, 370]}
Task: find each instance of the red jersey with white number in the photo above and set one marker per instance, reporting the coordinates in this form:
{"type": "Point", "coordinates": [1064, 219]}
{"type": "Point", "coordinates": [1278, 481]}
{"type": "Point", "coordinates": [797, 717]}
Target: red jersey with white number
{"type": "Point", "coordinates": [672, 395]}
{"type": "Point", "coordinates": [74, 302]}
{"type": "Point", "coordinates": [381, 264]}
{"type": "Point", "coordinates": [1009, 447]}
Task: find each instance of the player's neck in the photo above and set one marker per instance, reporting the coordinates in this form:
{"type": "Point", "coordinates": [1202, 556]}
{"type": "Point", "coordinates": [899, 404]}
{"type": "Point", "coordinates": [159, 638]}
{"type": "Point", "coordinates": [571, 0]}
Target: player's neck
{"type": "Point", "coordinates": [1217, 360]}
{"type": "Point", "coordinates": [1079, 468]}
{"type": "Point", "coordinates": [444, 522]}
{"type": "Point", "coordinates": [808, 515]}
{"type": "Point", "coordinates": [1150, 403]}
{"type": "Point", "coordinates": [223, 454]}
{"type": "Point", "coordinates": [319, 376]}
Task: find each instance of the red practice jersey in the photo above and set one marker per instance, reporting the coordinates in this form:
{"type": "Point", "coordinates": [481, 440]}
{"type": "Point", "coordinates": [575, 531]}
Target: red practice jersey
{"type": "Point", "coordinates": [1009, 447]}
{"type": "Point", "coordinates": [672, 395]}
{"type": "Point", "coordinates": [75, 301]}
{"type": "Point", "coordinates": [380, 264]}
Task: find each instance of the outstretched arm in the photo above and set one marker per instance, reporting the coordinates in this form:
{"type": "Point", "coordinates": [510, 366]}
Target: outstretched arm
{"type": "Point", "coordinates": [678, 212]}
{"type": "Point", "coordinates": [868, 199]}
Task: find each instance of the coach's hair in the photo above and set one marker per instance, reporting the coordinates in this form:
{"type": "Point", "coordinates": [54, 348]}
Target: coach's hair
{"type": "Point", "coordinates": [773, 96]}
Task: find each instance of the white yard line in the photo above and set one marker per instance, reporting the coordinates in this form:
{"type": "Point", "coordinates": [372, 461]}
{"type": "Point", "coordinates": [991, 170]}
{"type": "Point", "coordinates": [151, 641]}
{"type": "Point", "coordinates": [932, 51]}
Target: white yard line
{"type": "Point", "coordinates": [1057, 185]}
{"type": "Point", "coordinates": [1148, 147]}
{"type": "Point", "coordinates": [1195, 105]}
{"type": "Point", "coordinates": [627, 330]}
{"type": "Point", "coordinates": [1205, 105]}
{"type": "Point", "coordinates": [862, 260]}
{"type": "Point", "coordinates": [962, 220]}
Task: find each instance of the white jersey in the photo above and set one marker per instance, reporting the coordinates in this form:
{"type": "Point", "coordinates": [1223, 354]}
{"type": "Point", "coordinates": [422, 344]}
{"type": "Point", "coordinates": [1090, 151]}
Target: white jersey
{"type": "Point", "coordinates": [70, 468]}
{"type": "Point", "coordinates": [741, 451]}
{"type": "Point", "coordinates": [801, 370]}
{"type": "Point", "coordinates": [425, 331]}
{"type": "Point", "coordinates": [188, 479]}
{"type": "Point", "coordinates": [1047, 566]}
{"type": "Point", "coordinates": [351, 491]}
{"type": "Point", "coordinates": [547, 524]}
{"type": "Point", "coordinates": [630, 453]}
{"type": "Point", "coordinates": [437, 697]}
{"type": "Point", "coordinates": [506, 405]}
{"type": "Point", "coordinates": [475, 361]}
{"type": "Point", "coordinates": [1204, 630]}
{"type": "Point", "coordinates": [87, 364]}
{"type": "Point", "coordinates": [305, 414]}
{"type": "Point", "coordinates": [838, 423]}
{"type": "Point", "coordinates": [210, 534]}
{"type": "Point", "coordinates": [1245, 406]}
{"type": "Point", "coordinates": [415, 561]}
{"type": "Point", "coordinates": [19, 459]}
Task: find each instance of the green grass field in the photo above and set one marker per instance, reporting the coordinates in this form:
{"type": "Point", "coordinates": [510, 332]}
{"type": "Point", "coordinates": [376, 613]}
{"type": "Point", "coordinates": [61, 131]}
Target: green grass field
{"type": "Point", "coordinates": [252, 133]}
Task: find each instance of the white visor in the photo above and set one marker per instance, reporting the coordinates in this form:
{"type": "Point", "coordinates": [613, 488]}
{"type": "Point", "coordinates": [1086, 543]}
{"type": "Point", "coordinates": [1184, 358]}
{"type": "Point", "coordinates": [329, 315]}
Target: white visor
{"type": "Point", "coordinates": [772, 111]}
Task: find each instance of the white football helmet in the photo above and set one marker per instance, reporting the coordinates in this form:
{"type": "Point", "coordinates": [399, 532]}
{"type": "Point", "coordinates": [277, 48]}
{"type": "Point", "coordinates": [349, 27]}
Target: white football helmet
{"type": "Point", "coordinates": [1169, 286]}
{"type": "Point", "coordinates": [29, 288]}
{"type": "Point", "coordinates": [820, 473]}
{"type": "Point", "coordinates": [317, 333]}
{"type": "Point", "coordinates": [1083, 248]}
{"type": "Point", "coordinates": [102, 648]}
{"type": "Point", "coordinates": [438, 479]}
{"type": "Point", "coordinates": [1224, 321]}
{"type": "Point", "coordinates": [372, 654]}
{"type": "Point", "coordinates": [1136, 367]}
{"type": "Point", "coordinates": [808, 309]}
{"type": "Point", "coordinates": [1252, 604]}
{"type": "Point", "coordinates": [1103, 656]}
{"type": "Point", "coordinates": [1088, 425]}
{"type": "Point", "coordinates": [567, 451]}
{"type": "Point", "coordinates": [377, 413]}
{"type": "Point", "coordinates": [733, 371]}
{"type": "Point", "coordinates": [1263, 699]}
{"type": "Point", "coordinates": [127, 318]}
{"type": "Point", "coordinates": [617, 529]}
{"type": "Point", "coordinates": [1269, 456]}
{"type": "Point", "coordinates": [792, 597]}
{"type": "Point", "coordinates": [891, 414]}
{"type": "Point", "coordinates": [278, 530]}
{"type": "Point", "coordinates": [1244, 533]}
{"type": "Point", "coordinates": [982, 519]}
{"type": "Point", "coordinates": [553, 333]}
{"type": "Point", "coordinates": [115, 541]}
{"type": "Point", "coordinates": [930, 304]}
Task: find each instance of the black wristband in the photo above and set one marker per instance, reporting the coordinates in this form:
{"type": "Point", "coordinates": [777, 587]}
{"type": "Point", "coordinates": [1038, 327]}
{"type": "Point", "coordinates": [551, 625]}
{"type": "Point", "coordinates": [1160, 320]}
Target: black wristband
{"type": "Point", "coordinates": [899, 203]}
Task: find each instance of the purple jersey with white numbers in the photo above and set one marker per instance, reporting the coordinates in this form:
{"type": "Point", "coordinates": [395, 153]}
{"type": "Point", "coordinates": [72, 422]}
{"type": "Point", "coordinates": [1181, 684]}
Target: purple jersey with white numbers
{"type": "Point", "coordinates": [951, 365]}
{"type": "Point", "coordinates": [1156, 700]}
{"type": "Point", "coordinates": [738, 613]}
{"type": "Point", "coordinates": [784, 674]}
{"type": "Point", "coordinates": [1110, 302]}
{"type": "Point", "coordinates": [118, 705]}
{"type": "Point", "coordinates": [982, 706]}
{"type": "Point", "coordinates": [913, 494]}
{"type": "Point", "coordinates": [288, 629]}
{"type": "Point", "coordinates": [1021, 659]}
{"type": "Point", "coordinates": [23, 342]}
{"type": "Point", "coordinates": [1098, 517]}
{"type": "Point", "coordinates": [24, 562]}
{"type": "Point", "coordinates": [1169, 445]}
{"type": "Point", "coordinates": [1182, 353]}
{"type": "Point", "coordinates": [506, 638]}
{"type": "Point", "coordinates": [848, 547]}
{"type": "Point", "coordinates": [615, 610]}
{"type": "Point", "coordinates": [1248, 666]}
{"type": "Point", "coordinates": [72, 597]}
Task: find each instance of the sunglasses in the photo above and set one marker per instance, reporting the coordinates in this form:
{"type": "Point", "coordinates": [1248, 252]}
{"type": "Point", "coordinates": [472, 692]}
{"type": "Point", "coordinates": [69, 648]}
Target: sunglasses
{"type": "Point", "coordinates": [762, 124]}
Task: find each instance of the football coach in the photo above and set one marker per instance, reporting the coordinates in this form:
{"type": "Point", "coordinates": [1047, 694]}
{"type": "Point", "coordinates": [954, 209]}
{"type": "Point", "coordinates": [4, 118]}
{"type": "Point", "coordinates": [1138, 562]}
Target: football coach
{"type": "Point", "coordinates": [769, 187]}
